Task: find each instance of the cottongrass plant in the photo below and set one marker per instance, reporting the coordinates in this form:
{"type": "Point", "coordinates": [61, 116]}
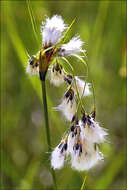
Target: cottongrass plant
{"type": "Point", "coordinates": [79, 145]}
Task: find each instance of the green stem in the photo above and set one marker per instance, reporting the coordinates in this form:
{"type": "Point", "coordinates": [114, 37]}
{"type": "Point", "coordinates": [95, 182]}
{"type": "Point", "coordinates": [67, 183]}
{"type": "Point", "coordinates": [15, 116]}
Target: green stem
{"type": "Point", "coordinates": [83, 185]}
{"type": "Point", "coordinates": [93, 96]}
{"type": "Point", "coordinates": [47, 127]}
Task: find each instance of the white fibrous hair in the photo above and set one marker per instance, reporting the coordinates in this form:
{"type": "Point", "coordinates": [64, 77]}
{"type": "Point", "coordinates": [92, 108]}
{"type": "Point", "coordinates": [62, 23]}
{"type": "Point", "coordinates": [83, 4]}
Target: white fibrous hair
{"type": "Point", "coordinates": [94, 133]}
{"type": "Point", "coordinates": [80, 143]}
{"type": "Point", "coordinates": [57, 77]}
{"type": "Point", "coordinates": [71, 141]}
{"type": "Point", "coordinates": [58, 155]}
{"type": "Point", "coordinates": [89, 157]}
{"type": "Point", "coordinates": [83, 89]}
{"type": "Point", "coordinates": [52, 29]}
{"type": "Point", "coordinates": [74, 46]}
{"type": "Point", "coordinates": [57, 159]}
{"type": "Point", "coordinates": [83, 151]}
{"type": "Point", "coordinates": [67, 107]}
{"type": "Point", "coordinates": [84, 154]}
{"type": "Point", "coordinates": [32, 68]}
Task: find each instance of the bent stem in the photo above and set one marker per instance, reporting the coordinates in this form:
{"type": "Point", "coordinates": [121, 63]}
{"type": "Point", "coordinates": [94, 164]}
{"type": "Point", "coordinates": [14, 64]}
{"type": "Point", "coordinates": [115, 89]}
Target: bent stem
{"type": "Point", "coordinates": [83, 185]}
{"type": "Point", "coordinates": [47, 127]}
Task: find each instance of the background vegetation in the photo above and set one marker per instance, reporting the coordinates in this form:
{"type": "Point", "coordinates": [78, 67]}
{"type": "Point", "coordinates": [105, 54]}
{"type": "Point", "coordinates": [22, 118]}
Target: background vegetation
{"type": "Point", "coordinates": [101, 24]}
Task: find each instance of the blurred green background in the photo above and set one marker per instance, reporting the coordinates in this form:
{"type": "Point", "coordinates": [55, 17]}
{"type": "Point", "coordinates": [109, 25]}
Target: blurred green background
{"type": "Point", "coordinates": [101, 24]}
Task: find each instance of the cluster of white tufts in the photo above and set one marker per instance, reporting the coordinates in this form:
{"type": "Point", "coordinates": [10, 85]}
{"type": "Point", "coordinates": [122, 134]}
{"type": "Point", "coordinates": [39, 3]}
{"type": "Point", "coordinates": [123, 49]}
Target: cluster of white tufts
{"type": "Point", "coordinates": [81, 145]}
{"type": "Point", "coordinates": [52, 31]}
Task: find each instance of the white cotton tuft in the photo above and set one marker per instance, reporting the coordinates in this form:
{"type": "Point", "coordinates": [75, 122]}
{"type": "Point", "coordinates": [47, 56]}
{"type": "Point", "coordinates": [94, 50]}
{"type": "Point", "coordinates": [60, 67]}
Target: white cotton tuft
{"type": "Point", "coordinates": [94, 133]}
{"type": "Point", "coordinates": [32, 70]}
{"type": "Point", "coordinates": [82, 133]}
{"type": "Point", "coordinates": [57, 77]}
{"type": "Point", "coordinates": [57, 159]}
{"type": "Point", "coordinates": [74, 46]}
{"type": "Point", "coordinates": [88, 158]}
{"type": "Point", "coordinates": [68, 108]}
{"type": "Point", "coordinates": [52, 30]}
{"type": "Point", "coordinates": [80, 85]}
{"type": "Point", "coordinates": [71, 141]}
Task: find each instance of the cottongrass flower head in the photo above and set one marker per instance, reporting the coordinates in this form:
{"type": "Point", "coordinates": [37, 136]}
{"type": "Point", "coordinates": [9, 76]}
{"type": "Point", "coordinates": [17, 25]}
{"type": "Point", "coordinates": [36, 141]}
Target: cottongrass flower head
{"type": "Point", "coordinates": [52, 29]}
{"type": "Point", "coordinates": [33, 66]}
{"type": "Point", "coordinates": [82, 153]}
{"type": "Point", "coordinates": [74, 46]}
{"type": "Point", "coordinates": [93, 132]}
{"type": "Point", "coordinates": [85, 158]}
{"type": "Point", "coordinates": [68, 105]}
{"type": "Point", "coordinates": [83, 87]}
{"type": "Point", "coordinates": [53, 32]}
{"type": "Point", "coordinates": [58, 155]}
{"type": "Point", "coordinates": [80, 144]}
{"type": "Point", "coordinates": [57, 74]}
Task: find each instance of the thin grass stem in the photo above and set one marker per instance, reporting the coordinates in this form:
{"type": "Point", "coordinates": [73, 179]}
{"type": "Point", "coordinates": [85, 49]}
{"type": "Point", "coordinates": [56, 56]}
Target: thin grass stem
{"type": "Point", "coordinates": [32, 20]}
{"type": "Point", "coordinates": [47, 127]}
{"type": "Point", "coordinates": [94, 98]}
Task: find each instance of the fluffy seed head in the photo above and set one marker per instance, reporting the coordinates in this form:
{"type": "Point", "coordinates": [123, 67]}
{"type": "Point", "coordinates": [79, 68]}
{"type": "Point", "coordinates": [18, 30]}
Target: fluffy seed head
{"type": "Point", "coordinates": [33, 66]}
{"type": "Point", "coordinates": [84, 154]}
{"type": "Point", "coordinates": [52, 29]}
{"type": "Point", "coordinates": [74, 46]}
{"type": "Point", "coordinates": [68, 105]}
{"type": "Point", "coordinates": [80, 85]}
{"type": "Point", "coordinates": [93, 132]}
{"type": "Point", "coordinates": [88, 158]}
{"type": "Point", "coordinates": [57, 75]}
{"type": "Point", "coordinates": [58, 155]}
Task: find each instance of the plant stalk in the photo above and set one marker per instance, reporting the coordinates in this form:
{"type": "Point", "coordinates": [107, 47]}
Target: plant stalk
{"type": "Point", "coordinates": [47, 127]}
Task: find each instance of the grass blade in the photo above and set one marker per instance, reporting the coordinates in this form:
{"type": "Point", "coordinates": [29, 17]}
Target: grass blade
{"type": "Point", "coordinates": [32, 20]}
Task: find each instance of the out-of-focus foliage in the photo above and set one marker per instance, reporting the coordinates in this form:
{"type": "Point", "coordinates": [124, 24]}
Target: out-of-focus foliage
{"type": "Point", "coordinates": [101, 24]}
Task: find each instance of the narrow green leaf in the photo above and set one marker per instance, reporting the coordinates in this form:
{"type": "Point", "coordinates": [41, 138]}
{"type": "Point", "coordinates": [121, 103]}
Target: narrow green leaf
{"type": "Point", "coordinates": [32, 20]}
